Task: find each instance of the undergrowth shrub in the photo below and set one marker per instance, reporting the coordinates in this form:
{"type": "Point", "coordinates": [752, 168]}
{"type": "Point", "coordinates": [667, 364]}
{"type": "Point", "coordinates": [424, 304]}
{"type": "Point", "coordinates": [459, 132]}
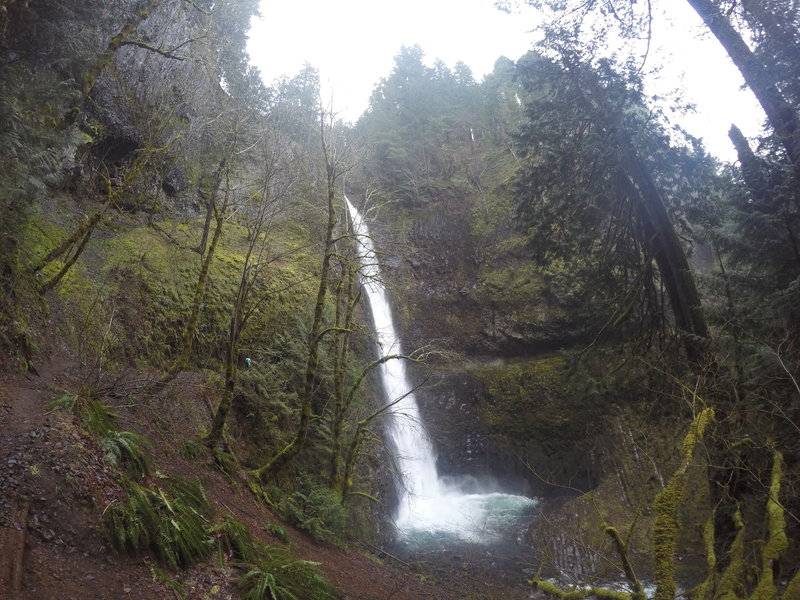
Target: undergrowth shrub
{"type": "Point", "coordinates": [315, 509]}
{"type": "Point", "coordinates": [191, 450]}
{"type": "Point", "coordinates": [269, 573]}
{"type": "Point", "coordinates": [277, 531]}
{"type": "Point", "coordinates": [173, 523]}
{"type": "Point", "coordinates": [274, 574]}
{"type": "Point", "coordinates": [123, 449]}
{"type": "Point", "coordinates": [234, 539]}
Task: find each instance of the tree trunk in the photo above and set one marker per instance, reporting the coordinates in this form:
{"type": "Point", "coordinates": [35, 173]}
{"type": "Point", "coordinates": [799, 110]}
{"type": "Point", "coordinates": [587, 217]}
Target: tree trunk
{"type": "Point", "coordinates": [231, 372]}
{"type": "Point", "coordinates": [53, 281]}
{"type": "Point", "coordinates": [342, 402]}
{"type": "Point", "coordinates": [199, 293]}
{"type": "Point", "coordinates": [306, 407]}
{"type": "Point", "coordinates": [218, 425]}
{"type": "Point", "coordinates": [239, 318]}
{"type": "Point", "coordinates": [759, 186]}
{"type": "Point", "coordinates": [210, 206]}
{"type": "Point", "coordinates": [783, 118]}
{"type": "Point", "coordinates": [665, 245]}
{"type": "Point", "coordinates": [660, 236]}
{"type": "Point", "coordinates": [752, 169]}
{"type": "Point", "coordinates": [79, 234]}
{"type": "Point", "coordinates": [351, 458]}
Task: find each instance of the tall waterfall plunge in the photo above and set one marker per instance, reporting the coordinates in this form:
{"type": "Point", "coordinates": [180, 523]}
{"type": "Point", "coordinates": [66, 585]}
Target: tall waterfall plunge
{"type": "Point", "coordinates": [427, 506]}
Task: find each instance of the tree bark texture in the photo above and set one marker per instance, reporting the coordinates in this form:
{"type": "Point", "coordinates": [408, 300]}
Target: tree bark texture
{"type": "Point", "coordinates": [783, 118]}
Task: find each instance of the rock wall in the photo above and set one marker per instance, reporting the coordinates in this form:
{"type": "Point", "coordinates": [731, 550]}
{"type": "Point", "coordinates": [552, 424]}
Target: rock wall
{"type": "Point", "coordinates": [494, 398]}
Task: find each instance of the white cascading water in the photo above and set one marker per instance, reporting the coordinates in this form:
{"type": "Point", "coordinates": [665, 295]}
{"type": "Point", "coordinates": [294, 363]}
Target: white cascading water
{"type": "Point", "coordinates": [427, 505]}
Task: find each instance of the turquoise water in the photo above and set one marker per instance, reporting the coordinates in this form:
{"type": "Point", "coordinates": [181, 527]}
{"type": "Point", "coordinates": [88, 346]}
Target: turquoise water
{"type": "Point", "coordinates": [455, 518]}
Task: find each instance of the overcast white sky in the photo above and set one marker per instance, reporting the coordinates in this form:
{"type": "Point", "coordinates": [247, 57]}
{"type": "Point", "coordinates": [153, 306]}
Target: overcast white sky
{"type": "Point", "coordinates": [353, 44]}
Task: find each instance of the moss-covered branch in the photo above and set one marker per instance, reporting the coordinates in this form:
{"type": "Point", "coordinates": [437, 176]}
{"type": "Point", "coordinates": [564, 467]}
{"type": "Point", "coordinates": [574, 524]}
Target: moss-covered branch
{"type": "Point", "coordinates": [777, 542]}
{"type": "Point", "coordinates": [627, 567]}
{"type": "Point", "coordinates": [665, 528]}
{"type": "Point", "coordinates": [199, 293]}
{"type": "Point", "coordinates": [711, 561]}
{"type": "Point", "coordinates": [731, 586]}
{"type": "Point", "coordinates": [158, 50]}
{"type": "Point", "coordinates": [579, 594]}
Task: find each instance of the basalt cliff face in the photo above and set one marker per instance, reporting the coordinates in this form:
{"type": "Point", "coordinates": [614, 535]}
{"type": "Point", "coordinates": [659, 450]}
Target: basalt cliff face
{"type": "Point", "coordinates": [493, 393]}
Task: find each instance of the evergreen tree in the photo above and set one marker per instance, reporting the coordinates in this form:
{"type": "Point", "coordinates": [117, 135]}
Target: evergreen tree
{"type": "Point", "coordinates": [598, 181]}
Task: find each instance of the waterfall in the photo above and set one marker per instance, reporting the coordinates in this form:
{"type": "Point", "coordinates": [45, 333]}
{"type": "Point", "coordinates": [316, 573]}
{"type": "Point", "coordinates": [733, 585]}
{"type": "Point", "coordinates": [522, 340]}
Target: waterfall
{"type": "Point", "coordinates": [426, 504]}
{"type": "Point", "coordinates": [414, 451]}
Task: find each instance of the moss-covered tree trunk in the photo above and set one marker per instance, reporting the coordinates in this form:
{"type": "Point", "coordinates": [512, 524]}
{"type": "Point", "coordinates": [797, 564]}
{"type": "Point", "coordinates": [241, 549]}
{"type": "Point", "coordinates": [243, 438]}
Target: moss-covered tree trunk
{"type": "Point", "coordinates": [231, 372]}
{"type": "Point", "coordinates": [342, 402]}
{"type": "Point", "coordinates": [291, 449]}
{"type": "Point", "coordinates": [351, 457]}
{"type": "Point", "coordinates": [182, 360]}
{"type": "Point", "coordinates": [240, 314]}
{"type": "Point", "coordinates": [664, 534]}
{"type": "Point", "coordinates": [78, 239]}
{"type": "Point", "coordinates": [666, 527]}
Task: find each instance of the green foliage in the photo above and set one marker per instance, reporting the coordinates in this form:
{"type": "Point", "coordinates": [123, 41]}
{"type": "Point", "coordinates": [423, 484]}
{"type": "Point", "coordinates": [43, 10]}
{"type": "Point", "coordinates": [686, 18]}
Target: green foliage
{"type": "Point", "coordinates": [65, 402]}
{"type": "Point", "coordinates": [225, 461]}
{"type": "Point", "coordinates": [31, 148]}
{"type": "Point", "coordinates": [123, 449]}
{"type": "Point", "coordinates": [234, 539]}
{"type": "Point", "coordinates": [266, 403]}
{"type": "Point", "coordinates": [315, 509]}
{"type": "Point", "coordinates": [599, 179]}
{"type": "Point", "coordinates": [278, 531]}
{"type": "Point", "coordinates": [191, 450]}
{"type": "Point", "coordinates": [173, 523]}
{"type": "Point", "coordinates": [97, 418]}
{"type": "Point", "coordinates": [420, 123]}
{"type": "Point", "coordinates": [274, 574]}
{"type": "Point", "coordinates": [127, 449]}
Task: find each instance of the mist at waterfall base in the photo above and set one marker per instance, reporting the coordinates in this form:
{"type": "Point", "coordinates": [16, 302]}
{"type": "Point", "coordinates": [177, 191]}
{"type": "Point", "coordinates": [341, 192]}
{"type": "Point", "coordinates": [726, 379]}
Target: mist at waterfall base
{"type": "Point", "coordinates": [431, 513]}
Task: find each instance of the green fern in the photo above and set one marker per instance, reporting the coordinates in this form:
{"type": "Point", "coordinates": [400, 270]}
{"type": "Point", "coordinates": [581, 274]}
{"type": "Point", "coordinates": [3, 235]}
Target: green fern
{"type": "Point", "coordinates": [126, 449]}
{"type": "Point", "coordinates": [278, 531]}
{"type": "Point", "coordinates": [173, 524]}
{"type": "Point", "coordinates": [97, 418]}
{"type": "Point", "coordinates": [190, 450]}
{"type": "Point", "coordinates": [225, 461]}
{"type": "Point", "coordinates": [64, 403]}
{"type": "Point", "coordinates": [191, 494]}
{"type": "Point", "coordinates": [314, 509]}
{"type": "Point", "coordinates": [131, 525]}
{"type": "Point", "coordinates": [234, 539]}
{"type": "Point", "coordinates": [275, 574]}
